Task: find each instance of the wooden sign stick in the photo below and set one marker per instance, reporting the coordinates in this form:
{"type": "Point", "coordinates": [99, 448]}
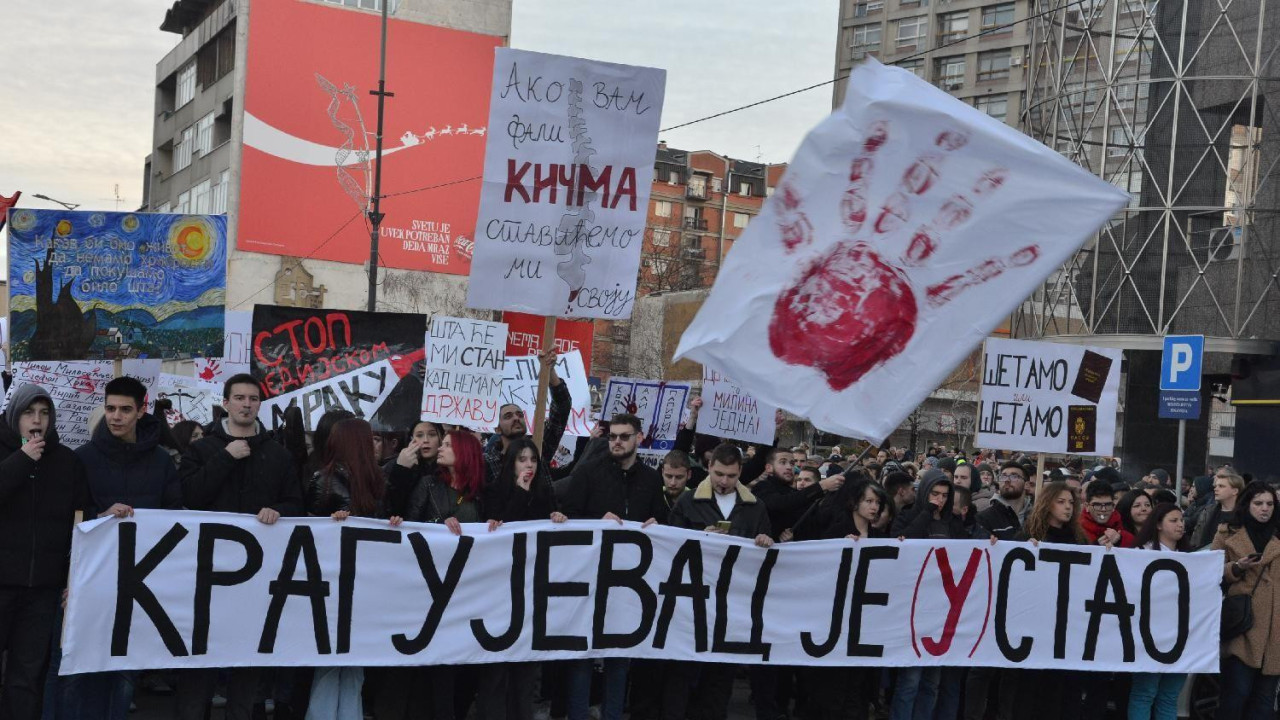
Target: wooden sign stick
{"type": "Point", "coordinates": [544, 380]}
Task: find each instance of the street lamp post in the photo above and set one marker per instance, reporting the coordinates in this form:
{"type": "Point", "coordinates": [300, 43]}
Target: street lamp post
{"type": "Point", "coordinates": [375, 212]}
{"type": "Point", "coordinates": [67, 205]}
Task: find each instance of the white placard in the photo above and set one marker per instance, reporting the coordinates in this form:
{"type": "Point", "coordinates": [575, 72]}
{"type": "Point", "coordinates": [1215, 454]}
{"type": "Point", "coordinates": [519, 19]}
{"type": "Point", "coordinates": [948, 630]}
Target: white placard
{"type": "Point", "coordinates": [236, 348]}
{"type": "Point", "coordinates": [357, 598]}
{"type": "Point", "coordinates": [659, 405]}
{"type": "Point", "coordinates": [567, 170]}
{"type": "Point", "coordinates": [76, 388]}
{"type": "Point", "coordinates": [361, 391]}
{"type": "Point", "coordinates": [146, 372]}
{"type": "Point", "coordinates": [192, 399]}
{"type": "Point", "coordinates": [465, 362]}
{"type": "Point", "coordinates": [1048, 397]}
{"type": "Point", "coordinates": [520, 386]}
{"type": "Point", "coordinates": [729, 411]}
{"type": "Point", "coordinates": [905, 228]}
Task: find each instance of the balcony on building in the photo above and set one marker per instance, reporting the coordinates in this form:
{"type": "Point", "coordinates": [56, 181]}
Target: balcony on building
{"type": "Point", "coordinates": [695, 223]}
{"type": "Point", "coordinates": [697, 187]}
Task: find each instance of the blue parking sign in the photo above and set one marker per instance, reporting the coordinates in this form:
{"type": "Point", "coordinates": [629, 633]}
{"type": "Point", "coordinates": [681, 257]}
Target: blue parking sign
{"type": "Point", "coordinates": [1181, 363]}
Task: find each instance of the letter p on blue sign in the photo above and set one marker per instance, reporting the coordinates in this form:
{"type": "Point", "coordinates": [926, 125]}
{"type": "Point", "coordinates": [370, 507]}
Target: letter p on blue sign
{"type": "Point", "coordinates": [1181, 363]}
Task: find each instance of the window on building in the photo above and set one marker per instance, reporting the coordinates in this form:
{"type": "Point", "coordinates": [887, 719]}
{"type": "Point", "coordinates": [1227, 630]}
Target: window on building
{"type": "Point", "coordinates": [740, 220]}
{"type": "Point", "coordinates": [202, 197]}
{"type": "Point", "coordinates": [863, 9]}
{"type": "Point", "coordinates": [662, 238]}
{"type": "Point", "coordinates": [216, 58]}
{"type": "Point", "coordinates": [997, 106]}
{"type": "Point", "coordinates": [220, 193]}
{"type": "Point", "coordinates": [204, 134]}
{"type": "Point", "coordinates": [994, 65]}
{"type": "Point", "coordinates": [913, 3]}
{"type": "Point", "coordinates": [867, 35]}
{"type": "Point", "coordinates": [186, 85]}
{"type": "Point", "coordinates": [993, 15]}
{"type": "Point", "coordinates": [184, 203]}
{"type": "Point", "coordinates": [673, 178]}
{"type": "Point", "coordinates": [950, 72]}
{"type": "Point", "coordinates": [698, 185]}
{"type": "Point", "coordinates": [365, 4]}
{"type": "Point", "coordinates": [912, 31]}
{"type": "Point", "coordinates": [915, 67]}
{"type": "Point", "coordinates": [953, 25]}
{"type": "Point", "coordinates": [716, 184]}
{"type": "Point", "coordinates": [662, 208]}
{"type": "Point", "coordinates": [744, 189]}
{"type": "Point", "coordinates": [183, 147]}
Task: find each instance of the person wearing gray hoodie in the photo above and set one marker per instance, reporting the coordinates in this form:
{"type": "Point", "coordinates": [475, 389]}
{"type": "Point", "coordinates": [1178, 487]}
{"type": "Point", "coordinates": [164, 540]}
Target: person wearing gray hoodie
{"type": "Point", "coordinates": [42, 485]}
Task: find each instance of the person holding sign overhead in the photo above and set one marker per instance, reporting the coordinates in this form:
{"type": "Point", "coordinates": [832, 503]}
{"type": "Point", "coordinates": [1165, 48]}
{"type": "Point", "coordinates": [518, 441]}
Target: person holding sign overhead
{"type": "Point", "coordinates": [236, 468]}
{"type": "Point", "coordinates": [512, 423]}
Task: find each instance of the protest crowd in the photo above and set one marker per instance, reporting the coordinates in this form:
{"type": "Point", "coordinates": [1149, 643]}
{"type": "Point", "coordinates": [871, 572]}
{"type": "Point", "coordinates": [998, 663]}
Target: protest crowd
{"type": "Point", "coordinates": [436, 474]}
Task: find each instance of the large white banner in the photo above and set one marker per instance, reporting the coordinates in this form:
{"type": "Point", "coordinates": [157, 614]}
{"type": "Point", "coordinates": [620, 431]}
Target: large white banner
{"type": "Point", "coordinates": [729, 411]}
{"type": "Point", "coordinates": [907, 225]}
{"type": "Point", "coordinates": [178, 589]}
{"type": "Point", "coordinates": [77, 387]}
{"type": "Point", "coordinates": [520, 387]}
{"type": "Point", "coordinates": [465, 362]}
{"type": "Point", "coordinates": [1048, 397]}
{"type": "Point", "coordinates": [567, 169]}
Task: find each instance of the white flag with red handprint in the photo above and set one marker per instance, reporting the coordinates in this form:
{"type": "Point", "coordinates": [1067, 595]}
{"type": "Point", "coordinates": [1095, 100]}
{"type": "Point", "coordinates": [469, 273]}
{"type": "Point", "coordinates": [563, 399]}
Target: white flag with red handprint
{"type": "Point", "coordinates": [906, 227]}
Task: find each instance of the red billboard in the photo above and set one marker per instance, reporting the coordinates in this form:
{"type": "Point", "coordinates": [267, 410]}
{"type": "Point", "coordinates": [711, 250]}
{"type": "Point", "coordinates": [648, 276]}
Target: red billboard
{"type": "Point", "coordinates": [524, 336]}
{"type": "Point", "coordinates": [310, 129]}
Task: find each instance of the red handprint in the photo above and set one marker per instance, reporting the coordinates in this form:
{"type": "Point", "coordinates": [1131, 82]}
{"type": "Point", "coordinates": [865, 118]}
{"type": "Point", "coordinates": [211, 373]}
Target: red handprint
{"type": "Point", "coordinates": [210, 370]}
{"type": "Point", "coordinates": [851, 310]}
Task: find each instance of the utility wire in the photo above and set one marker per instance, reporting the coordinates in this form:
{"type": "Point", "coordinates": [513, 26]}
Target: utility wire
{"type": "Point", "coordinates": [989, 31]}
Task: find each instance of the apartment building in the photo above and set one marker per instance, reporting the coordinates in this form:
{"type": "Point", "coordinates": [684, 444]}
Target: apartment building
{"type": "Point", "coordinates": [975, 50]}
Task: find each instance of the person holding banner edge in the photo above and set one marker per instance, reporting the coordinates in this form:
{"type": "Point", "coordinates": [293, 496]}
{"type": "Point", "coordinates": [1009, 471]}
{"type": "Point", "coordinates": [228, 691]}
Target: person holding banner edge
{"type": "Point", "coordinates": [42, 486]}
{"type": "Point", "coordinates": [237, 468]}
{"type": "Point", "coordinates": [1163, 530]}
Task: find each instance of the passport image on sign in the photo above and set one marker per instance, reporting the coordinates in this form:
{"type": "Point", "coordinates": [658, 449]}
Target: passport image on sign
{"type": "Point", "coordinates": [1082, 427]}
{"type": "Point", "coordinates": [1092, 376]}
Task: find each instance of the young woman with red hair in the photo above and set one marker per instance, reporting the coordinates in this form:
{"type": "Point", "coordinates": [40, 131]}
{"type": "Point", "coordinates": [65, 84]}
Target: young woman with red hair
{"type": "Point", "coordinates": [462, 467]}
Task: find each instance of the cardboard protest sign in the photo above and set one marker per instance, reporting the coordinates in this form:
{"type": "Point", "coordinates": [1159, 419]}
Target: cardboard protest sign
{"type": "Point", "coordinates": [1048, 397]}
{"type": "Point", "coordinates": [524, 336]}
{"type": "Point", "coordinates": [76, 388]}
{"type": "Point", "coordinates": [105, 285]}
{"type": "Point", "coordinates": [871, 271]}
{"type": "Point", "coordinates": [146, 372]}
{"type": "Point", "coordinates": [235, 350]}
{"type": "Point", "coordinates": [566, 185]}
{"type": "Point", "coordinates": [505, 598]}
{"type": "Point", "coordinates": [729, 411]}
{"type": "Point", "coordinates": [191, 398]}
{"type": "Point", "coordinates": [465, 363]}
{"type": "Point", "coordinates": [659, 405]}
{"type": "Point", "coordinates": [295, 349]}
{"type": "Point", "coordinates": [520, 386]}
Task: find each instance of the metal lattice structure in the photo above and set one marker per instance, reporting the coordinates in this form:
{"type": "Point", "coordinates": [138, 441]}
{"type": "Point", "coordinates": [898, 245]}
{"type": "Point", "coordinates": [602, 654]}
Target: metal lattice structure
{"type": "Point", "coordinates": [1171, 100]}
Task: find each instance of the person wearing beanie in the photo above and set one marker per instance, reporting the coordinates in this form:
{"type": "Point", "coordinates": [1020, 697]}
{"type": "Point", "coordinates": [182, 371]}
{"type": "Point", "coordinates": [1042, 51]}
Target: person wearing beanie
{"type": "Point", "coordinates": [42, 485]}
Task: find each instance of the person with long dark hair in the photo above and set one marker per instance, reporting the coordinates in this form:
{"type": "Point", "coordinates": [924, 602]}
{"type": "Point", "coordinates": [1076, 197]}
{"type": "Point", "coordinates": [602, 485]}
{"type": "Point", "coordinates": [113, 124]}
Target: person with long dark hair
{"type": "Point", "coordinates": [350, 483]}
{"type": "Point", "coordinates": [1163, 531]}
{"type": "Point", "coordinates": [522, 491]}
{"type": "Point", "coordinates": [866, 502]}
{"type": "Point", "coordinates": [1134, 509]}
{"type": "Point", "coordinates": [1250, 663]}
{"type": "Point", "coordinates": [186, 432]}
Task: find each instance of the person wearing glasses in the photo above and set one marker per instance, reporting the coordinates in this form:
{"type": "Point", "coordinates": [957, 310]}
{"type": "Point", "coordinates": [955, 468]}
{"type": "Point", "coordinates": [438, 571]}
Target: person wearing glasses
{"type": "Point", "coordinates": [614, 487]}
{"type": "Point", "coordinates": [1100, 521]}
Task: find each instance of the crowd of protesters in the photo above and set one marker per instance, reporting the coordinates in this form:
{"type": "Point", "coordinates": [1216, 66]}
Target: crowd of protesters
{"type": "Point", "coordinates": [436, 474]}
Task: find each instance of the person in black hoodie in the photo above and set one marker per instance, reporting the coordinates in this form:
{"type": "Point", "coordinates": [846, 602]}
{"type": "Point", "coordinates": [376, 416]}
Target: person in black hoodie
{"type": "Point", "coordinates": [238, 468]}
{"type": "Point", "coordinates": [42, 485]}
{"type": "Point", "coordinates": [126, 468]}
{"type": "Point", "coordinates": [785, 503]}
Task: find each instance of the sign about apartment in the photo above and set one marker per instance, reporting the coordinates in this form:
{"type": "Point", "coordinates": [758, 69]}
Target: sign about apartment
{"type": "Point", "coordinates": [1048, 397]}
{"type": "Point", "coordinates": [465, 362]}
{"type": "Point", "coordinates": [567, 170]}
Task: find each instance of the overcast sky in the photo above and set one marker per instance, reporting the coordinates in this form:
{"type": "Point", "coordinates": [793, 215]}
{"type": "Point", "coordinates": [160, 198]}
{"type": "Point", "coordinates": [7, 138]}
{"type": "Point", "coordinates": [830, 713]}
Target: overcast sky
{"type": "Point", "coordinates": [76, 114]}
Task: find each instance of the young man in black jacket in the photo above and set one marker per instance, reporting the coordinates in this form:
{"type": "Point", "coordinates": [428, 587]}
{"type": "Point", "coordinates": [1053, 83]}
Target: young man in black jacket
{"type": "Point", "coordinates": [718, 501]}
{"type": "Point", "coordinates": [618, 487]}
{"type": "Point", "coordinates": [41, 487]}
{"type": "Point", "coordinates": [126, 469]}
{"type": "Point", "coordinates": [237, 468]}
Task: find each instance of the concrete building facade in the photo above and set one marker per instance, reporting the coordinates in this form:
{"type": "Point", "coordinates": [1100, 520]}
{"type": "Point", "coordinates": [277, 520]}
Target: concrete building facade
{"type": "Point", "coordinates": [198, 139]}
